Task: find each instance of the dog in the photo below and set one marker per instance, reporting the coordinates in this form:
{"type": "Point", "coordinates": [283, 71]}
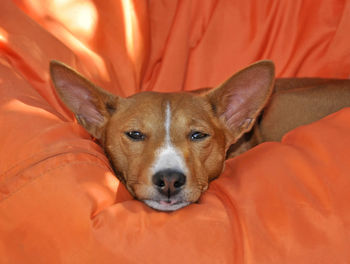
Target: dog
{"type": "Point", "coordinates": [167, 147]}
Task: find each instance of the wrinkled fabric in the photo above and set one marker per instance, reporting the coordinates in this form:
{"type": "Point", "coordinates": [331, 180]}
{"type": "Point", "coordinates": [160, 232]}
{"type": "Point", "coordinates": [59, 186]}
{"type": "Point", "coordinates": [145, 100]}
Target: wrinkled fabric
{"type": "Point", "coordinates": [283, 202]}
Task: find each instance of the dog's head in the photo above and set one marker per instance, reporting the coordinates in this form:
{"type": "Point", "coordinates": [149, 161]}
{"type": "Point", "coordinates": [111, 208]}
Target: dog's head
{"type": "Point", "coordinates": [167, 147]}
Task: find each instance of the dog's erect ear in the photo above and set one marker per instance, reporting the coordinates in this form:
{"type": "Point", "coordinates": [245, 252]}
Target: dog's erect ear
{"type": "Point", "coordinates": [240, 99]}
{"type": "Point", "coordinates": [91, 105]}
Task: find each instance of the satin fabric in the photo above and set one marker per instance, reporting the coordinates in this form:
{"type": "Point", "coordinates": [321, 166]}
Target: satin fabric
{"type": "Point", "coordinates": [283, 202]}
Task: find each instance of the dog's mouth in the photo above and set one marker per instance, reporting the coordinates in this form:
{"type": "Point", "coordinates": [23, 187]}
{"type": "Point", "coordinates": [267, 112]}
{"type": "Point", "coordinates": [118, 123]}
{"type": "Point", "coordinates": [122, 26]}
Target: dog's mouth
{"type": "Point", "coordinates": [166, 205]}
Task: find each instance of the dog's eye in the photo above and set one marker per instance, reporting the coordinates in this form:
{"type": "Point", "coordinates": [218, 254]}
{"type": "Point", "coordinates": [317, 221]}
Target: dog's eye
{"type": "Point", "coordinates": [197, 135]}
{"type": "Point", "coordinates": [135, 135]}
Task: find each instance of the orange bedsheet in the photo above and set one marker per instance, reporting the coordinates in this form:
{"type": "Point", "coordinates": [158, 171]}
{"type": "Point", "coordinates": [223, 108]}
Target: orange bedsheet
{"type": "Point", "coordinates": [59, 201]}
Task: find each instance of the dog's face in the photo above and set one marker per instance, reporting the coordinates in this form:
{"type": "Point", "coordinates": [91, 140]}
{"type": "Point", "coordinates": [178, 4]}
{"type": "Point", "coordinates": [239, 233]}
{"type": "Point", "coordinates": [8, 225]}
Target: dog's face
{"type": "Point", "coordinates": [167, 147]}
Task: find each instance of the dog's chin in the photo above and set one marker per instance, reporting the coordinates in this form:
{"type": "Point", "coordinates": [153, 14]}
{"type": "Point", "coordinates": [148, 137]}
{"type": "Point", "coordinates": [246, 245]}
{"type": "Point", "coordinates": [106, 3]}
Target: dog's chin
{"type": "Point", "coordinates": [165, 205]}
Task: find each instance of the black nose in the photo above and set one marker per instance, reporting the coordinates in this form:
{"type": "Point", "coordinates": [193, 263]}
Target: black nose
{"type": "Point", "coordinates": [169, 182]}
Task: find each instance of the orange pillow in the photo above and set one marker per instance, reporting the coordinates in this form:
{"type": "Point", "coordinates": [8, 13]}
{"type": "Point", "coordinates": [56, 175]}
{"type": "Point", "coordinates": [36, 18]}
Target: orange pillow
{"type": "Point", "coordinates": [59, 201]}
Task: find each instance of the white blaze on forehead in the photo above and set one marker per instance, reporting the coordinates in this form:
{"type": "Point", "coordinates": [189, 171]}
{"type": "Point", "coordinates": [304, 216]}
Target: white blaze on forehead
{"type": "Point", "coordinates": [168, 156]}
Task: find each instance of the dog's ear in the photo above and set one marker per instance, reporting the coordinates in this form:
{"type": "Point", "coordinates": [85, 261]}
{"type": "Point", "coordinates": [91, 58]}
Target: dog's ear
{"type": "Point", "coordinates": [240, 99]}
{"type": "Point", "coordinates": [91, 105]}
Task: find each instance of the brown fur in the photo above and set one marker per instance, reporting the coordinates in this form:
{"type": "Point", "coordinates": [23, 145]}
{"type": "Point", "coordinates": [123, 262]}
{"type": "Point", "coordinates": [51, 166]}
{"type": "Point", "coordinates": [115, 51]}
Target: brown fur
{"type": "Point", "coordinates": [190, 112]}
{"type": "Point", "coordinates": [227, 114]}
